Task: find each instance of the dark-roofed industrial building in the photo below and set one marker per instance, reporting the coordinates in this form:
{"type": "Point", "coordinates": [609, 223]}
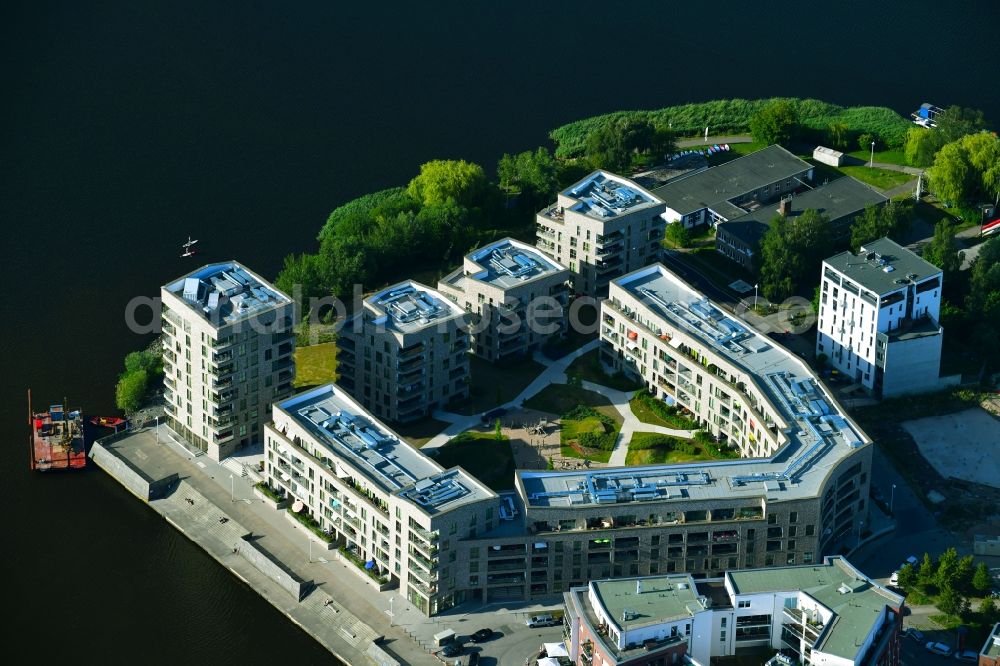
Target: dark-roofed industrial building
{"type": "Point", "coordinates": [733, 189]}
{"type": "Point", "coordinates": [840, 201]}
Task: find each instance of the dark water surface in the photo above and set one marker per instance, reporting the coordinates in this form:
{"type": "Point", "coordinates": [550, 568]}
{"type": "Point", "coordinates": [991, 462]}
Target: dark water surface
{"type": "Point", "coordinates": [126, 126]}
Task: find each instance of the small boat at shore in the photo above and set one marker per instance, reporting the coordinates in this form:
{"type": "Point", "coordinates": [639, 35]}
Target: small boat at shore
{"type": "Point", "coordinates": [57, 439]}
{"type": "Point", "coordinates": [107, 421]}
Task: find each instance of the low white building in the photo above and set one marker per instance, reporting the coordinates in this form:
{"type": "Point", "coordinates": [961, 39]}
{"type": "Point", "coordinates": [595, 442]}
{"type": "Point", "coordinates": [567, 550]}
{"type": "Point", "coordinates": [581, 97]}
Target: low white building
{"type": "Point", "coordinates": [828, 156]}
{"type": "Point", "coordinates": [879, 319]}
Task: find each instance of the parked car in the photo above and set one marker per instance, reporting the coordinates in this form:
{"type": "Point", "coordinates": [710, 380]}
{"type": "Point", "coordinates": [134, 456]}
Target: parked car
{"type": "Point", "coordinates": [474, 659]}
{"type": "Point", "coordinates": [482, 635]}
{"type": "Point", "coordinates": [969, 656]}
{"type": "Point", "coordinates": [912, 560]}
{"type": "Point", "coordinates": [543, 620]}
{"type": "Point", "coordinates": [876, 493]}
{"type": "Point", "coordinates": [452, 649]}
{"type": "Point", "coordinates": [915, 634]}
{"type": "Point", "coordinates": [938, 648]}
{"type": "Point", "coordinates": [894, 578]}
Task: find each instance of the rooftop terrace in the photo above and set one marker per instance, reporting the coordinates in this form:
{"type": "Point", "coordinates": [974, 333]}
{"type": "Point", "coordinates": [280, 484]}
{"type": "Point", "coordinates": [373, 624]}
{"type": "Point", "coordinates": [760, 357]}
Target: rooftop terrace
{"type": "Point", "coordinates": [508, 263]}
{"type": "Point", "coordinates": [883, 266]}
{"type": "Point", "coordinates": [818, 434]}
{"type": "Point", "coordinates": [410, 306]}
{"type": "Point", "coordinates": [345, 429]}
{"type": "Point", "coordinates": [604, 195]}
{"type": "Point", "coordinates": [836, 584]}
{"type": "Point", "coordinates": [715, 187]}
{"type": "Point", "coordinates": [226, 292]}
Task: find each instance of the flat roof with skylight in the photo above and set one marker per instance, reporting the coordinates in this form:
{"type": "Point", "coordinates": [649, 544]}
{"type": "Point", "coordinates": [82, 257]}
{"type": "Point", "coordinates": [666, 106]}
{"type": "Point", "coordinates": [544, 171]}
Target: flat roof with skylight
{"type": "Point", "coordinates": [508, 263]}
{"type": "Point", "coordinates": [410, 306]}
{"type": "Point", "coordinates": [883, 266]}
{"type": "Point", "coordinates": [649, 600]}
{"type": "Point", "coordinates": [226, 292]}
{"type": "Point", "coordinates": [852, 597]}
{"type": "Point", "coordinates": [603, 195]}
{"type": "Point", "coordinates": [367, 446]}
{"type": "Point", "coordinates": [819, 435]}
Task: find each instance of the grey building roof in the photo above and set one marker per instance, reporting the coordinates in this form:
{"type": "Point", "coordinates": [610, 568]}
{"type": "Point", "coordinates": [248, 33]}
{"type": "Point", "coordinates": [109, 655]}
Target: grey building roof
{"type": "Point", "coordinates": [508, 263]}
{"type": "Point", "coordinates": [371, 449]}
{"type": "Point", "coordinates": [836, 200]}
{"type": "Point", "coordinates": [819, 436]}
{"type": "Point", "coordinates": [226, 292]}
{"type": "Point", "coordinates": [603, 195]}
{"type": "Point", "coordinates": [410, 306]}
{"type": "Point", "coordinates": [714, 188]}
{"type": "Point", "coordinates": [882, 266]}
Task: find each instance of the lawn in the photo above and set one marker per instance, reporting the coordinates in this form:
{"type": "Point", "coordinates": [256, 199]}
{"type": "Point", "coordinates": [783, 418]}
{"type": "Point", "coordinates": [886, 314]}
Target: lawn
{"type": "Point", "coordinates": [494, 385]}
{"type": "Point", "coordinates": [315, 364]}
{"type": "Point", "coordinates": [588, 368]}
{"type": "Point", "coordinates": [880, 178]}
{"type": "Point", "coordinates": [646, 410]}
{"type": "Point", "coordinates": [488, 459]}
{"type": "Point", "coordinates": [668, 454]}
{"type": "Point", "coordinates": [561, 399]}
{"type": "Point", "coordinates": [421, 431]}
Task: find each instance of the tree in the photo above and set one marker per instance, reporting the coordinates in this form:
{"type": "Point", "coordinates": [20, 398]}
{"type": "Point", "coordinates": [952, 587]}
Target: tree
{"type": "Point", "coordinates": [497, 431]}
{"type": "Point", "coordinates": [947, 569]}
{"type": "Point", "coordinates": [908, 577]}
{"type": "Point", "coordinates": [891, 219]}
{"type": "Point", "coordinates": [988, 612]}
{"type": "Point", "coordinates": [678, 234]}
{"type": "Point", "coordinates": [612, 145]}
{"type": "Point", "coordinates": [982, 581]}
{"type": "Point", "coordinates": [837, 133]}
{"type": "Point", "coordinates": [951, 178]}
{"type": "Point", "coordinates": [441, 180]}
{"type": "Point", "coordinates": [131, 390]}
{"type": "Point", "coordinates": [982, 305]}
{"type": "Point", "coordinates": [963, 574]}
{"type": "Point", "coordinates": [922, 145]}
{"type": "Point", "coordinates": [957, 122]}
{"type": "Point", "coordinates": [927, 573]}
{"type": "Point", "coordinates": [535, 173]}
{"type": "Point", "coordinates": [951, 602]}
{"type": "Point", "coordinates": [865, 141]}
{"type": "Point", "coordinates": [942, 251]}
{"type": "Point", "coordinates": [966, 165]}
{"type": "Point", "coordinates": [778, 122]}
{"type": "Point", "coordinates": [790, 250]}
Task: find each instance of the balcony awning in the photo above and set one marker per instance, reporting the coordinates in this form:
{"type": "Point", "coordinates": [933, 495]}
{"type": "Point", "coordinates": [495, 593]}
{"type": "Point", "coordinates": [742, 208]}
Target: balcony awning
{"type": "Point", "coordinates": [556, 650]}
{"type": "Point", "coordinates": [676, 343]}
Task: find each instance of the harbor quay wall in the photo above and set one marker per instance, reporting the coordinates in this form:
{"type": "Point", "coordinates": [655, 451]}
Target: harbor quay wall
{"type": "Point", "coordinates": [268, 565]}
{"type": "Point", "coordinates": [133, 479]}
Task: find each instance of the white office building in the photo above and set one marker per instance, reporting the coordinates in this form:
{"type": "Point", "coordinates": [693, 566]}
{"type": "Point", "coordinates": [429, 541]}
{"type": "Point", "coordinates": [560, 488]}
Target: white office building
{"type": "Point", "coordinates": [879, 319]}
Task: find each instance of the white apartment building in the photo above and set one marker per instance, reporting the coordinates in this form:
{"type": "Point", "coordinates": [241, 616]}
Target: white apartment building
{"type": "Point", "coordinates": [228, 343]}
{"type": "Point", "coordinates": [387, 502]}
{"type": "Point", "coordinates": [517, 294]}
{"type": "Point", "coordinates": [879, 319]}
{"type": "Point", "coordinates": [405, 353]}
{"type": "Point", "coordinates": [602, 227]}
{"type": "Point", "coordinates": [825, 614]}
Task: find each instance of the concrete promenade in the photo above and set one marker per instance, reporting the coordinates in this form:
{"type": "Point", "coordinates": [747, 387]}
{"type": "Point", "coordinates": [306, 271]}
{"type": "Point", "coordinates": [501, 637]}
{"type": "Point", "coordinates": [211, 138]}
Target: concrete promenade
{"type": "Point", "coordinates": [343, 610]}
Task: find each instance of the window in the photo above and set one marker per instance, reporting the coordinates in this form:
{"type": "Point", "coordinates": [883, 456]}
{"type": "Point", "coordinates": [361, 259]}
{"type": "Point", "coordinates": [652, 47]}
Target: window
{"type": "Point", "coordinates": [743, 603]}
{"type": "Point", "coordinates": [793, 517]}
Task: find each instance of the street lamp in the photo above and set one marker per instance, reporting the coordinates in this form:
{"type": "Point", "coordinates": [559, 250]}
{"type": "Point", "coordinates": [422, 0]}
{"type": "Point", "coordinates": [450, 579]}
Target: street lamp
{"type": "Point", "coordinates": [871, 165]}
{"type": "Point", "coordinates": [232, 489]}
{"type": "Point", "coordinates": [755, 298]}
{"type": "Point", "coordinates": [892, 496]}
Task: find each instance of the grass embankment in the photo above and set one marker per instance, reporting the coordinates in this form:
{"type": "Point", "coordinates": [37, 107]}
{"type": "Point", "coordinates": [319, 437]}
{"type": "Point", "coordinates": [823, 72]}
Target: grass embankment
{"type": "Point", "coordinates": [588, 368]}
{"type": "Point", "coordinates": [652, 448]}
{"type": "Point", "coordinates": [493, 385]}
{"type": "Point", "coordinates": [315, 365]}
{"type": "Point", "coordinates": [732, 116]}
{"type": "Point", "coordinates": [880, 178]}
{"type": "Point", "coordinates": [589, 422]}
{"type": "Point", "coordinates": [656, 412]}
{"type": "Point", "coordinates": [483, 455]}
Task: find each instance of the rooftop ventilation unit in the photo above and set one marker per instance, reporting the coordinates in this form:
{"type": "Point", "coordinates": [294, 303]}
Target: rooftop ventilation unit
{"type": "Point", "coordinates": [888, 269]}
{"type": "Point", "coordinates": [844, 589]}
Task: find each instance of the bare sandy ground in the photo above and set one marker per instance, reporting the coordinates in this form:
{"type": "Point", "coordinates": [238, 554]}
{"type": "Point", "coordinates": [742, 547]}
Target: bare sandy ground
{"type": "Point", "coordinates": [964, 445]}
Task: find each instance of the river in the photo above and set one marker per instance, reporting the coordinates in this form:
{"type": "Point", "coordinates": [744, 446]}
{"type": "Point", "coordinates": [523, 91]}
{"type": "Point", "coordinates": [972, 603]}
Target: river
{"type": "Point", "coordinates": [127, 126]}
